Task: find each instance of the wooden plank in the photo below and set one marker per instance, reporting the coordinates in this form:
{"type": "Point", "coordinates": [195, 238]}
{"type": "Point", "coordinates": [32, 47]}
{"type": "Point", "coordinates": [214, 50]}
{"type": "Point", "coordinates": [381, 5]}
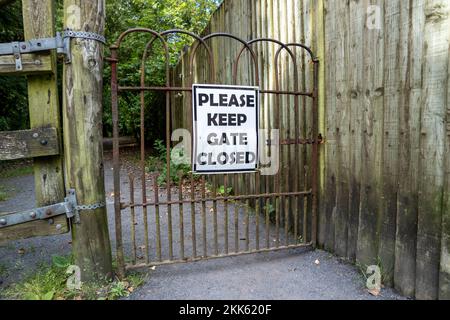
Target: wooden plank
{"type": "Point", "coordinates": [444, 272]}
{"type": "Point", "coordinates": [396, 31]}
{"type": "Point", "coordinates": [82, 119]}
{"type": "Point", "coordinates": [329, 198]}
{"type": "Point", "coordinates": [433, 131]}
{"type": "Point", "coordinates": [32, 143]}
{"type": "Point", "coordinates": [38, 17]}
{"type": "Point", "coordinates": [368, 228]}
{"type": "Point", "coordinates": [356, 34]}
{"type": "Point", "coordinates": [342, 120]}
{"type": "Point", "coordinates": [32, 229]}
{"type": "Point", "coordinates": [405, 242]}
{"type": "Point", "coordinates": [32, 64]}
{"type": "Point", "coordinates": [320, 52]}
{"type": "Point", "coordinates": [48, 173]}
{"type": "Point", "coordinates": [307, 112]}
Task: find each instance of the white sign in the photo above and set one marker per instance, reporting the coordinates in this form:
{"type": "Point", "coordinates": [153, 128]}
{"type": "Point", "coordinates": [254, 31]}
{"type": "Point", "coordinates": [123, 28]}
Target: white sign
{"type": "Point", "coordinates": [225, 128]}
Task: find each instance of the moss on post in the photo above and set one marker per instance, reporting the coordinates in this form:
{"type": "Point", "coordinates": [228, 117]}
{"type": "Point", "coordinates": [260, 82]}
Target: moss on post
{"type": "Point", "coordinates": [82, 122]}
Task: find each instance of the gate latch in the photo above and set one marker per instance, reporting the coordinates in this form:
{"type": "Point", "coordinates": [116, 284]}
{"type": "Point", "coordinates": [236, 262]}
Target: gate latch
{"type": "Point", "coordinates": [61, 43]}
{"type": "Point", "coordinates": [69, 207]}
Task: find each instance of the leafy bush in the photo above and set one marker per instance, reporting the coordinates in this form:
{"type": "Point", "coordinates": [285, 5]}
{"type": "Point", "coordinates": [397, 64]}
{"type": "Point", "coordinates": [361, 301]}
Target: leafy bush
{"type": "Point", "coordinates": [157, 163]}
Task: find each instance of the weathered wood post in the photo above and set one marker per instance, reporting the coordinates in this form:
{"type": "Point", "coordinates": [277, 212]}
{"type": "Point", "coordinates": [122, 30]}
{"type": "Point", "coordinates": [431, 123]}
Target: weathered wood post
{"type": "Point", "coordinates": [82, 123]}
{"type": "Point", "coordinates": [38, 21]}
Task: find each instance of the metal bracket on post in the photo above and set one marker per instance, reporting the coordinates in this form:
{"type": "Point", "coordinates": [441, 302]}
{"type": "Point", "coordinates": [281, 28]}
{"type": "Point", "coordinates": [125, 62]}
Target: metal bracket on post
{"type": "Point", "coordinates": [17, 56]}
{"type": "Point", "coordinates": [61, 43]}
{"type": "Point", "coordinates": [71, 206]}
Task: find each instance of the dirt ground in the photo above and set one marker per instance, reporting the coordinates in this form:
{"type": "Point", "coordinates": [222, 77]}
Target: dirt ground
{"type": "Point", "coordinates": [290, 274]}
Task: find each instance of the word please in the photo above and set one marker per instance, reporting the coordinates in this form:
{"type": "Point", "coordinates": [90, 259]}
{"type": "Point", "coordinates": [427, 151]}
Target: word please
{"type": "Point", "coordinates": [225, 100]}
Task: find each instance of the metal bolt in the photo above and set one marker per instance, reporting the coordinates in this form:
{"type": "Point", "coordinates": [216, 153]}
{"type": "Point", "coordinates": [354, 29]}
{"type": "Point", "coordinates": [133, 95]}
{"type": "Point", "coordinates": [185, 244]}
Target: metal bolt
{"type": "Point", "coordinates": [58, 227]}
{"type": "Point", "coordinates": [48, 212]}
{"type": "Point", "coordinates": [24, 47]}
{"type": "Point", "coordinates": [44, 142]}
{"type": "Point", "coordinates": [37, 62]}
{"type": "Point", "coordinates": [35, 135]}
{"type": "Point", "coordinates": [39, 44]}
{"type": "Point", "coordinates": [3, 222]}
{"type": "Point", "coordinates": [33, 215]}
{"type": "Point", "coordinates": [17, 56]}
{"type": "Point", "coordinates": [51, 221]}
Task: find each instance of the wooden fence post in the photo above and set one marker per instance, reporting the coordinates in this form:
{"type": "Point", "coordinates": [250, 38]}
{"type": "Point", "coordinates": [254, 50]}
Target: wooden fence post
{"type": "Point", "coordinates": [82, 122]}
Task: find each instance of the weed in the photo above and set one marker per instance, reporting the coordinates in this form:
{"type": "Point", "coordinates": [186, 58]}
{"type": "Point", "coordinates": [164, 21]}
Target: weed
{"type": "Point", "coordinates": [50, 283]}
{"type": "Point", "coordinates": [271, 210]}
{"type": "Point", "coordinates": [118, 290]}
{"type": "Point", "coordinates": [3, 270]}
{"type": "Point", "coordinates": [178, 169]}
{"type": "Point", "coordinates": [221, 190]}
{"type": "Point", "coordinates": [363, 268]}
{"type": "Point", "coordinates": [3, 194]}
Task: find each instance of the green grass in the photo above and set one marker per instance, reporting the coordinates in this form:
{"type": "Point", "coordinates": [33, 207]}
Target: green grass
{"type": "Point", "coordinates": [49, 282]}
{"type": "Point", "coordinates": [3, 270]}
{"type": "Point", "coordinates": [3, 194]}
{"type": "Point", "coordinates": [16, 171]}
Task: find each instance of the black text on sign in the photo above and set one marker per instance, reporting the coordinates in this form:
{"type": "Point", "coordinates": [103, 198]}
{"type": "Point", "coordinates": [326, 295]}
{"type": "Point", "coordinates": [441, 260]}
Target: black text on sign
{"type": "Point", "coordinates": [225, 128]}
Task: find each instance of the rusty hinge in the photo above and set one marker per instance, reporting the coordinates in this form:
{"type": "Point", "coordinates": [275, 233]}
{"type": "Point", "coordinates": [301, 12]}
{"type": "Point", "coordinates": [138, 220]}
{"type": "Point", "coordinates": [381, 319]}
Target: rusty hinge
{"type": "Point", "coordinates": [69, 207]}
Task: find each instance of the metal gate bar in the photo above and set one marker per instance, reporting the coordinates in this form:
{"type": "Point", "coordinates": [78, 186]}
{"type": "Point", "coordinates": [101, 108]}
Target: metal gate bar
{"type": "Point", "coordinates": [284, 199]}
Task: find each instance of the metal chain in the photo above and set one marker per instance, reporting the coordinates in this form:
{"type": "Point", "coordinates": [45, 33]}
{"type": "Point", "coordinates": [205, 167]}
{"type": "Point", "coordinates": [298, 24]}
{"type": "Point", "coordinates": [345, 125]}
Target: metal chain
{"type": "Point", "coordinates": [90, 206]}
{"type": "Point", "coordinates": [84, 35]}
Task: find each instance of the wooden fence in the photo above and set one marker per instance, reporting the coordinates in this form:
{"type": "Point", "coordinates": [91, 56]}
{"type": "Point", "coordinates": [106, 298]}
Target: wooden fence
{"type": "Point", "coordinates": [383, 111]}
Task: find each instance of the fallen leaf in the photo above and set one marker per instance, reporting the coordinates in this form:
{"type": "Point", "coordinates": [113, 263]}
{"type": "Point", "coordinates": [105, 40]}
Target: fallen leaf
{"type": "Point", "coordinates": [153, 268]}
{"type": "Point", "coordinates": [375, 292]}
{"type": "Point", "coordinates": [130, 289]}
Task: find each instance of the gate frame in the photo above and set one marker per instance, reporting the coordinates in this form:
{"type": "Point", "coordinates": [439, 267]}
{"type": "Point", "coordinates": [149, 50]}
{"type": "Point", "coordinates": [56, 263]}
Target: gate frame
{"type": "Point", "coordinates": [115, 89]}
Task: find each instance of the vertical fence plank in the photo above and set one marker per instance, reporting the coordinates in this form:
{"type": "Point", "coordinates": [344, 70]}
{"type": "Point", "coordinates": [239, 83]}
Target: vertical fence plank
{"type": "Point", "coordinates": [356, 33]}
{"type": "Point", "coordinates": [38, 20]}
{"type": "Point", "coordinates": [405, 241]}
{"type": "Point", "coordinates": [372, 142]}
{"type": "Point", "coordinates": [342, 120]}
{"type": "Point", "coordinates": [321, 54]}
{"type": "Point", "coordinates": [396, 25]}
{"type": "Point", "coordinates": [444, 274]}
{"type": "Point", "coordinates": [328, 221]}
{"type": "Point", "coordinates": [432, 148]}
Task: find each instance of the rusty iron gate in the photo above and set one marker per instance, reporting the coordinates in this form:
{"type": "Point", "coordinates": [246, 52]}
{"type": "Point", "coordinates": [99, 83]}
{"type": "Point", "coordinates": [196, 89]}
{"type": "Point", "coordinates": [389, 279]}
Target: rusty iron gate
{"type": "Point", "coordinates": [200, 221]}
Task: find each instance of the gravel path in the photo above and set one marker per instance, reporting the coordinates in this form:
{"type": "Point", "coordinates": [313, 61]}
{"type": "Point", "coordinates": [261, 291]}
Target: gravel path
{"type": "Point", "coordinates": [291, 274]}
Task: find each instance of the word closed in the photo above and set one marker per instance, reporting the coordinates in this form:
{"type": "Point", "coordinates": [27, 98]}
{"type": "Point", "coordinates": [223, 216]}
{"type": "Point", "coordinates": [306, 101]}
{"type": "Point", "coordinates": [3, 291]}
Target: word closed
{"type": "Point", "coordinates": [225, 128]}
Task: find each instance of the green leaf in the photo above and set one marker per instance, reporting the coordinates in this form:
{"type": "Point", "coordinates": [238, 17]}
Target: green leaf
{"type": "Point", "coordinates": [49, 295]}
{"type": "Point", "coordinates": [60, 262]}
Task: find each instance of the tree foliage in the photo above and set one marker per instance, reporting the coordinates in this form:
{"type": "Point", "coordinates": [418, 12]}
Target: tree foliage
{"type": "Point", "coordinates": [158, 15]}
{"type": "Point", "coordinates": [13, 90]}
